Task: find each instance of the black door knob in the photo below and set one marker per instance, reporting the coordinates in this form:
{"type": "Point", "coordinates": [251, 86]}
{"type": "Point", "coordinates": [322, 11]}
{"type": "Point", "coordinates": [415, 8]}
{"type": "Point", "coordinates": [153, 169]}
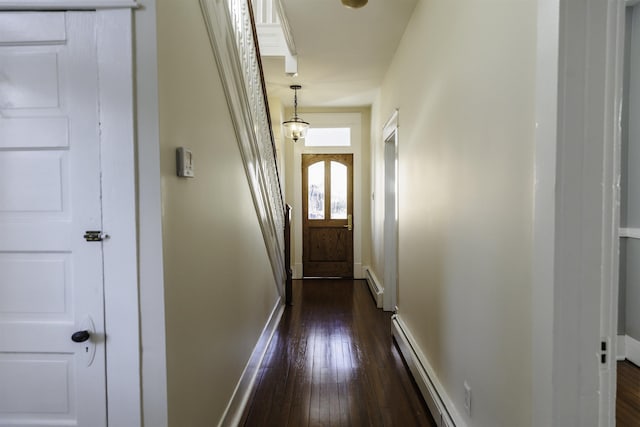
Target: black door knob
{"type": "Point", "coordinates": [80, 336]}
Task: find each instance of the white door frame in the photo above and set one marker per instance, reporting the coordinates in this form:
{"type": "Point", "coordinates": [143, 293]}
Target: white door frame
{"type": "Point", "coordinates": [390, 141]}
{"type": "Point", "coordinates": [610, 307]}
{"type": "Point", "coordinates": [611, 209]}
{"type": "Point", "coordinates": [115, 69]}
{"type": "Point", "coordinates": [150, 263]}
{"type": "Point", "coordinates": [115, 40]}
{"type": "Point", "coordinates": [575, 257]}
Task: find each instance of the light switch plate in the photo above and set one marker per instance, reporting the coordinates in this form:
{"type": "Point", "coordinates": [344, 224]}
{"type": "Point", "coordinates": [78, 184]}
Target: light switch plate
{"type": "Point", "coordinates": [184, 163]}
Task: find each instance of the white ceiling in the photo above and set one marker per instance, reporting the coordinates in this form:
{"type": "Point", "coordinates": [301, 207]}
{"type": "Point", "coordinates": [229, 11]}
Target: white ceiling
{"type": "Point", "coordinates": [343, 53]}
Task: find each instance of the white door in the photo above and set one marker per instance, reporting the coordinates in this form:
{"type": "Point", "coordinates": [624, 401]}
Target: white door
{"type": "Point", "coordinates": [51, 279]}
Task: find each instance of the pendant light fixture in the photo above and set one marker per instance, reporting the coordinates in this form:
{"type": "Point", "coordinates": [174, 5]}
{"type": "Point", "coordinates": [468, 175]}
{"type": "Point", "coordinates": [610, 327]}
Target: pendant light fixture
{"type": "Point", "coordinates": [354, 4]}
{"type": "Point", "coordinates": [295, 128]}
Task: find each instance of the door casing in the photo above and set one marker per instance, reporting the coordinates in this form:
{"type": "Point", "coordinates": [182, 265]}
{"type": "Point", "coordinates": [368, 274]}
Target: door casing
{"type": "Point", "coordinates": [122, 320]}
{"type": "Point", "coordinates": [390, 140]}
{"type": "Point", "coordinates": [328, 120]}
{"type": "Point", "coordinates": [574, 253]}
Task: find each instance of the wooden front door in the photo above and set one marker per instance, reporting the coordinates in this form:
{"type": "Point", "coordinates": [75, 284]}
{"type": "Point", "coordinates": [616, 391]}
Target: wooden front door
{"type": "Point", "coordinates": [327, 209]}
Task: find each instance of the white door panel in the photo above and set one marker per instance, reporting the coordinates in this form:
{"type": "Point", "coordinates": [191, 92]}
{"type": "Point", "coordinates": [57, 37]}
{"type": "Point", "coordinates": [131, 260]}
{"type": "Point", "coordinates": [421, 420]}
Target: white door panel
{"type": "Point", "coordinates": [29, 374]}
{"type": "Point", "coordinates": [51, 279]}
{"type": "Point", "coordinates": [48, 132]}
{"type": "Point", "coordinates": [40, 177]}
{"type": "Point", "coordinates": [27, 27]}
{"type": "Point", "coordinates": [35, 68]}
{"type": "Point", "coordinates": [22, 292]}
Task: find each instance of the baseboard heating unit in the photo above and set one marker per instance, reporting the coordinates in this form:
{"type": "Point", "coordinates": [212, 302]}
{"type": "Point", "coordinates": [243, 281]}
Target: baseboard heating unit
{"type": "Point", "coordinates": [374, 286]}
{"type": "Point", "coordinates": [429, 387]}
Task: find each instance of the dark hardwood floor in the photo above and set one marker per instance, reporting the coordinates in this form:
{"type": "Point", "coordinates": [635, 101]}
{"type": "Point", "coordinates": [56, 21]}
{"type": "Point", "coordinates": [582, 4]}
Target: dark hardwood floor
{"type": "Point", "coordinates": [332, 362]}
{"type": "Point", "coordinates": [628, 395]}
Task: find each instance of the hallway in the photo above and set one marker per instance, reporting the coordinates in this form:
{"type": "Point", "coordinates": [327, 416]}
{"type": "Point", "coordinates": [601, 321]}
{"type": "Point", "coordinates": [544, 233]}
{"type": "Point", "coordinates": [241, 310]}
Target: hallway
{"type": "Point", "coordinates": [332, 361]}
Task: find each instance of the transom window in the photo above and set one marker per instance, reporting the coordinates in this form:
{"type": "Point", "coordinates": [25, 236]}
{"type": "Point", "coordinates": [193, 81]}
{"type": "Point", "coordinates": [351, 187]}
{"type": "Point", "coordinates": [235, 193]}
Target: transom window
{"type": "Point", "coordinates": [328, 137]}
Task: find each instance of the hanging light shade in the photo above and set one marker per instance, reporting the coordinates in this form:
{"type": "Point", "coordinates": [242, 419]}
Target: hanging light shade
{"type": "Point", "coordinates": [295, 128]}
{"type": "Point", "coordinates": [354, 4]}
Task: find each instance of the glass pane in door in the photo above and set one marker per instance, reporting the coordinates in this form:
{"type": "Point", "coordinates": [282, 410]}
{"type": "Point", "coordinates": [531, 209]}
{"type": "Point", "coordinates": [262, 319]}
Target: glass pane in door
{"type": "Point", "coordinates": [315, 179]}
{"type": "Point", "coordinates": [338, 191]}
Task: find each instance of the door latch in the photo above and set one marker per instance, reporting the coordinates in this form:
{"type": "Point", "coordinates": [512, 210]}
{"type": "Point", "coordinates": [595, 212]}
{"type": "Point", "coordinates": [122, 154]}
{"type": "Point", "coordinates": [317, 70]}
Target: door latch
{"type": "Point", "coordinates": [95, 236]}
{"type": "Point", "coordinates": [603, 352]}
{"type": "Point", "coordinates": [349, 225]}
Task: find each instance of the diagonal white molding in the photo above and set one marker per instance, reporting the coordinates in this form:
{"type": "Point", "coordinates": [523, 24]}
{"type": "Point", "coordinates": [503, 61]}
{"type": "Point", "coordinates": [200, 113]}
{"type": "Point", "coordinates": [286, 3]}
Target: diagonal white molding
{"type": "Point", "coordinates": [232, 39]}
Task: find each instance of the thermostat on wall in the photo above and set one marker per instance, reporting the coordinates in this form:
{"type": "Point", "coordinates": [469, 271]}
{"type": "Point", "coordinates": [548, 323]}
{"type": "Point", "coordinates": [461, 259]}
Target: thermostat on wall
{"type": "Point", "coordinates": [184, 162]}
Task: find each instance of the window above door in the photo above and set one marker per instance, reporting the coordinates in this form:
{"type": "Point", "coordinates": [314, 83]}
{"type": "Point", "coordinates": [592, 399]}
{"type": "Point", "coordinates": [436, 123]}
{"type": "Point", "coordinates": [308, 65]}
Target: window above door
{"type": "Point", "coordinates": [332, 133]}
{"type": "Point", "coordinates": [328, 137]}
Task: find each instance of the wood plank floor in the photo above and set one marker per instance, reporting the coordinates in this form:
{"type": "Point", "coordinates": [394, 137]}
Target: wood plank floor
{"type": "Point", "coordinates": [332, 362]}
{"type": "Point", "coordinates": [628, 395]}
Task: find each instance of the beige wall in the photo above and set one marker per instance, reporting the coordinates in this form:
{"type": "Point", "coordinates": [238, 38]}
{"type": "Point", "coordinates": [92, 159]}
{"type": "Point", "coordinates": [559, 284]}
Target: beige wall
{"type": "Point", "coordinates": [219, 286]}
{"type": "Point", "coordinates": [463, 80]}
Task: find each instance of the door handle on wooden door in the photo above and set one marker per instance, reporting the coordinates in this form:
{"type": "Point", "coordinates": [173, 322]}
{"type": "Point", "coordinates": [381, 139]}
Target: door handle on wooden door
{"type": "Point", "coordinates": [349, 225]}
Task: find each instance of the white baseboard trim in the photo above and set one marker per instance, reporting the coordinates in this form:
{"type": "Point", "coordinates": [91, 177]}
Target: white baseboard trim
{"type": "Point", "coordinates": [358, 271]}
{"type": "Point", "coordinates": [632, 349]}
{"type": "Point", "coordinates": [621, 347]}
{"type": "Point", "coordinates": [241, 395]}
{"type": "Point", "coordinates": [374, 285]}
{"type": "Point", "coordinates": [441, 406]}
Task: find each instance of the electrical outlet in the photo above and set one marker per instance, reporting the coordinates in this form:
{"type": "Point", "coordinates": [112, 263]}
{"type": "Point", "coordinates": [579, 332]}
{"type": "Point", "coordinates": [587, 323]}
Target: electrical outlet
{"type": "Point", "coordinates": [467, 398]}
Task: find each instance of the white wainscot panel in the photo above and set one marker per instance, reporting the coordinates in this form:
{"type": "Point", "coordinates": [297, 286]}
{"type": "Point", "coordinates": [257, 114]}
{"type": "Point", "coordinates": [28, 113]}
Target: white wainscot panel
{"type": "Point", "coordinates": [36, 132]}
{"type": "Point", "coordinates": [28, 80]}
{"type": "Point", "coordinates": [34, 384]}
{"type": "Point", "coordinates": [33, 283]}
{"type": "Point", "coordinates": [27, 27]}
{"type": "Point", "coordinates": [31, 181]}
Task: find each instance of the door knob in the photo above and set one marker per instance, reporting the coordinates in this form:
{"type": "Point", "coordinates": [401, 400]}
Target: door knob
{"type": "Point", "coordinates": [87, 351]}
{"type": "Point", "coordinates": [80, 336]}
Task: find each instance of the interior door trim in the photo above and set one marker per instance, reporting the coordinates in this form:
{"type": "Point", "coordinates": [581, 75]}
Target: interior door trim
{"type": "Point", "coordinates": [390, 223]}
{"type": "Point", "coordinates": [114, 34]}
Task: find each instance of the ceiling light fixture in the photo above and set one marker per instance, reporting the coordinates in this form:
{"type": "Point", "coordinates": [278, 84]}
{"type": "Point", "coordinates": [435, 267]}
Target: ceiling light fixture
{"type": "Point", "coordinates": [295, 128]}
{"type": "Point", "coordinates": [354, 4]}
